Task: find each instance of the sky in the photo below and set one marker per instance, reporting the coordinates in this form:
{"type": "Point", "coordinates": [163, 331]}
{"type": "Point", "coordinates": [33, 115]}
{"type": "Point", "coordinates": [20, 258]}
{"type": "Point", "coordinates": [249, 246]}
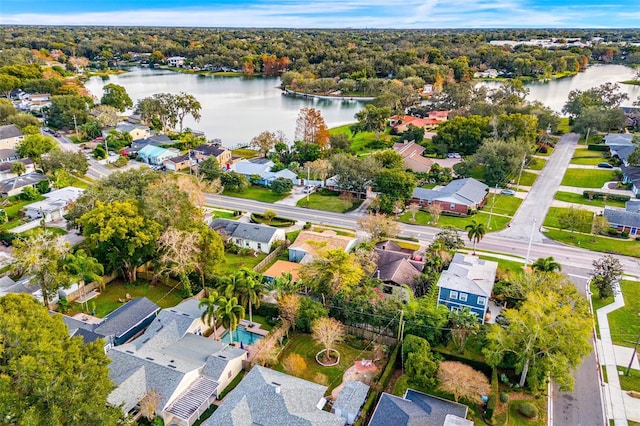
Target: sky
{"type": "Point", "coordinates": [326, 13]}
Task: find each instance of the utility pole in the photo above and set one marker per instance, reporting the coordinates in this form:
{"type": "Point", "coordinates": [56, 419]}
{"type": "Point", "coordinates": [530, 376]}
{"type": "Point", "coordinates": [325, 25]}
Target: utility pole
{"type": "Point", "coordinates": [533, 229]}
{"type": "Point", "coordinates": [524, 160]}
{"type": "Point", "coordinates": [586, 141]}
{"type": "Point", "coordinates": [401, 326]}
{"type": "Point", "coordinates": [307, 186]}
{"type": "Point", "coordinates": [75, 124]}
{"type": "Point", "coordinates": [635, 349]}
{"type": "Point", "coordinates": [493, 203]}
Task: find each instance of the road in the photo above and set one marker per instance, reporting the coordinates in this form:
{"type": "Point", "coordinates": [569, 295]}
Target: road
{"type": "Point", "coordinates": [540, 197]}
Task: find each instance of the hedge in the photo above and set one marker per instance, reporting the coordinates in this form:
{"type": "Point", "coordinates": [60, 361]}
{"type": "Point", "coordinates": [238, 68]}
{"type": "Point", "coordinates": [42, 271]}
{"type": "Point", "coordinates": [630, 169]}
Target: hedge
{"type": "Point", "coordinates": [367, 408]}
{"type": "Point", "coordinates": [276, 222]}
{"type": "Point", "coordinates": [592, 147]}
{"type": "Point", "coordinates": [601, 195]}
{"type": "Point", "coordinates": [389, 369]}
{"type": "Point", "coordinates": [495, 394]}
{"type": "Point", "coordinates": [477, 365]}
{"type": "Point", "coordinates": [267, 310]}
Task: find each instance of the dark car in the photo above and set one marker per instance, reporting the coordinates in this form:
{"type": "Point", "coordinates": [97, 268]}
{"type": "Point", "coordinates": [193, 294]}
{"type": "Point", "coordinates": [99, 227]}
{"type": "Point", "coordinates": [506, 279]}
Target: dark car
{"type": "Point", "coordinates": [57, 134]}
{"type": "Point", "coordinates": [605, 165]}
{"type": "Point", "coordinates": [501, 320]}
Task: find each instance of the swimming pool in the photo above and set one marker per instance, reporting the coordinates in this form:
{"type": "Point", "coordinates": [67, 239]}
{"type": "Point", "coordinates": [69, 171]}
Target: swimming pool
{"type": "Point", "coordinates": [241, 334]}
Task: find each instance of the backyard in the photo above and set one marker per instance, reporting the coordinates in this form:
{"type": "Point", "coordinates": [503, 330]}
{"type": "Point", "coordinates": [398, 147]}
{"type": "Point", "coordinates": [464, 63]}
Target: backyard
{"type": "Point", "coordinates": [234, 262]}
{"type": "Point", "coordinates": [360, 142]}
{"type": "Point", "coordinates": [304, 345]}
{"type": "Point", "coordinates": [329, 201]}
{"type": "Point", "coordinates": [587, 178]}
{"type": "Point", "coordinates": [12, 206]}
{"type": "Point", "coordinates": [258, 193]}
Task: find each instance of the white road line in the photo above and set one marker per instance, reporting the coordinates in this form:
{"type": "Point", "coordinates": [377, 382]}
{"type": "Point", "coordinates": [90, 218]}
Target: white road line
{"type": "Point", "coordinates": [579, 276]}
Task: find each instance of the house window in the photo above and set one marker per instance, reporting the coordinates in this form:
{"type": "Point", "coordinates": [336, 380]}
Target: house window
{"type": "Point", "coordinates": [429, 202]}
{"type": "Point", "coordinates": [463, 297]}
{"type": "Point", "coordinates": [238, 242]}
{"type": "Point", "coordinates": [246, 243]}
{"type": "Point", "coordinates": [453, 295]}
{"type": "Point", "coordinates": [452, 206]}
{"type": "Point", "coordinates": [482, 301]}
{"type": "Point", "coordinates": [259, 246]}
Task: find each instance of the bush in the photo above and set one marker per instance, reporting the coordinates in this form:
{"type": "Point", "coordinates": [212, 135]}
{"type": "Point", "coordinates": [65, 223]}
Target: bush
{"type": "Point", "coordinates": [269, 311]}
{"type": "Point", "coordinates": [294, 364]}
{"type": "Point", "coordinates": [595, 195]}
{"type": "Point", "coordinates": [389, 369]}
{"type": "Point", "coordinates": [592, 147]}
{"type": "Point", "coordinates": [309, 311]}
{"type": "Point", "coordinates": [29, 194]}
{"type": "Point", "coordinates": [504, 397]}
{"type": "Point", "coordinates": [121, 161]}
{"type": "Point", "coordinates": [528, 410]}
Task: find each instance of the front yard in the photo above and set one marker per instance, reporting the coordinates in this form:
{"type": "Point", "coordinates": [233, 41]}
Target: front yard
{"type": "Point", "coordinates": [587, 178]}
{"type": "Point", "coordinates": [257, 193]}
{"type": "Point", "coordinates": [587, 157]}
{"type": "Point", "coordinates": [624, 323]}
{"type": "Point", "coordinates": [329, 201]}
{"type": "Point", "coordinates": [12, 206]}
{"type": "Point", "coordinates": [596, 242]}
{"type": "Point", "coordinates": [553, 219]}
{"type": "Point", "coordinates": [574, 198]}
{"type": "Point", "coordinates": [498, 222]}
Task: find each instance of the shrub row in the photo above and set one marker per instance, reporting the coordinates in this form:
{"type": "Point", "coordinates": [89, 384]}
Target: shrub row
{"type": "Point", "coordinates": [592, 147]}
{"type": "Point", "coordinates": [495, 394]}
{"type": "Point", "coordinates": [276, 222]}
{"type": "Point", "coordinates": [595, 195]}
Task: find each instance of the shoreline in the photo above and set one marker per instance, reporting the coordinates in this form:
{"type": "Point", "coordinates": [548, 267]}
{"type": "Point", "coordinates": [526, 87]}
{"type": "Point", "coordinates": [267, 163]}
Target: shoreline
{"type": "Point", "coordinates": [289, 92]}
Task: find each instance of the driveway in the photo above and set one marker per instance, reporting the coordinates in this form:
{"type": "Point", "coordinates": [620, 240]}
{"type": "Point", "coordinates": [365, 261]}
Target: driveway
{"type": "Point", "coordinates": [536, 205]}
{"type": "Point", "coordinates": [297, 194]}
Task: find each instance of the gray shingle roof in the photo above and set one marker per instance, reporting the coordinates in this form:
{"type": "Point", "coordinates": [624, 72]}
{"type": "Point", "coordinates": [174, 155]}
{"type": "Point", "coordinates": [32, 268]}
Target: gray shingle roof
{"type": "Point", "coordinates": [6, 166]}
{"type": "Point", "coordinates": [270, 398]}
{"type": "Point", "coordinates": [469, 274]}
{"type": "Point", "coordinates": [9, 131]}
{"type": "Point", "coordinates": [248, 168]}
{"type": "Point", "coordinates": [415, 409]}
{"type": "Point", "coordinates": [127, 316]}
{"type": "Point", "coordinates": [618, 139]}
{"type": "Point", "coordinates": [207, 149]}
{"type": "Point", "coordinates": [352, 396]}
{"type": "Point", "coordinates": [622, 217]}
{"type": "Point", "coordinates": [461, 191]}
{"type": "Point", "coordinates": [23, 181]}
{"type": "Point", "coordinates": [245, 231]}
{"type": "Point", "coordinates": [6, 154]}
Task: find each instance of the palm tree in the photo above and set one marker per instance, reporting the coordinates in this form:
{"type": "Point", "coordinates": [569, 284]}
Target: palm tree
{"type": "Point", "coordinates": [231, 314]}
{"type": "Point", "coordinates": [255, 291]}
{"type": "Point", "coordinates": [475, 234]}
{"type": "Point", "coordinates": [84, 268]}
{"type": "Point", "coordinates": [546, 264]}
{"type": "Point", "coordinates": [211, 314]}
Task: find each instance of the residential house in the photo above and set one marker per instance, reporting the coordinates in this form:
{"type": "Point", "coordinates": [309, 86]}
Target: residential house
{"type": "Point", "coordinates": [365, 191]}
{"type": "Point", "coordinates": [186, 370]}
{"type": "Point", "coordinates": [54, 207]}
{"type": "Point", "coordinates": [310, 243]}
{"type": "Point", "coordinates": [417, 408]}
{"type": "Point", "coordinates": [350, 400]}
{"type": "Point", "coordinates": [5, 167]}
{"type": "Point", "coordinates": [155, 140]}
{"type": "Point", "coordinates": [627, 220]}
{"type": "Point", "coordinates": [400, 123]}
{"type": "Point", "coordinates": [15, 185]}
{"type": "Point", "coordinates": [176, 61]}
{"type": "Point", "coordinates": [440, 116]}
{"type": "Point", "coordinates": [8, 155]}
{"type": "Point", "coordinates": [10, 136]}
{"type": "Point", "coordinates": [270, 398]}
{"type": "Point", "coordinates": [281, 267]}
{"type": "Point", "coordinates": [412, 156]}
{"type": "Point", "coordinates": [467, 283]}
{"type": "Point", "coordinates": [631, 175]}
{"type": "Point", "coordinates": [490, 73]}
{"type": "Point", "coordinates": [458, 197]}
{"type": "Point", "coordinates": [261, 167]}
{"type": "Point", "coordinates": [223, 155]}
{"type": "Point", "coordinates": [137, 131]}
{"type": "Point", "coordinates": [180, 162]}
{"type": "Point", "coordinates": [7, 286]}
{"type": "Point", "coordinates": [127, 321]}
{"type": "Point", "coordinates": [155, 155]}
{"type": "Point", "coordinates": [396, 267]}
{"type": "Point", "coordinates": [248, 235]}
{"type": "Point", "coordinates": [621, 145]}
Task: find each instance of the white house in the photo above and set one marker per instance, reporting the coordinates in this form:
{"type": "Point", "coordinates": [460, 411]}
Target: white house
{"type": "Point", "coordinates": [248, 235]}
{"type": "Point", "coordinates": [10, 136]}
{"type": "Point", "coordinates": [176, 61]}
{"type": "Point", "coordinates": [55, 205]}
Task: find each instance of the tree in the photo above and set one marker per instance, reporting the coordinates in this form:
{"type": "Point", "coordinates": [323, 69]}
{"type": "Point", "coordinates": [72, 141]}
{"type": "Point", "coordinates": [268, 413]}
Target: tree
{"type": "Point", "coordinates": [372, 119]}
{"type": "Point", "coordinates": [449, 239]}
{"type": "Point", "coordinates": [354, 174]}
{"type": "Point", "coordinates": [311, 128]}
{"type": "Point", "coordinates": [573, 218]}
{"type": "Point", "coordinates": [104, 116]}
{"type": "Point", "coordinates": [389, 159]}
{"type": "Point", "coordinates": [309, 311]}
{"type": "Point", "coordinates": [72, 162]}
{"type": "Point", "coordinates": [378, 226]}
{"type": "Point", "coordinates": [210, 168]}
{"type": "Point", "coordinates": [186, 104]}
{"type": "Point", "coordinates": [327, 332]}
{"type": "Point", "coordinates": [319, 168]}
{"type": "Point", "coordinates": [47, 376]}
{"type": "Point", "coordinates": [281, 185]}
{"type": "Point", "coordinates": [265, 141]}
{"type": "Point", "coordinates": [289, 309]}
{"type": "Point", "coordinates": [464, 323]}
{"type": "Point", "coordinates": [18, 168]}
{"type": "Point", "coordinates": [42, 256]}
{"type": "Point", "coordinates": [83, 268]}
{"type": "Point", "coordinates": [499, 160]}
{"type": "Point", "coordinates": [34, 146]}
{"type": "Point", "coordinates": [413, 209]}
{"type": "Point", "coordinates": [546, 264]}
{"type": "Point", "coordinates": [419, 365]}
{"type": "Point", "coordinates": [435, 210]}
{"type": "Point", "coordinates": [234, 181]}
{"type": "Point", "coordinates": [64, 108]}
{"type": "Point", "coordinates": [7, 84]}
{"type": "Point", "coordinates": [395, 183]}
{"type": "Point", "coordinates": [606, 271]}
{"type": "Point", "coordinates": [462, 381]}
{"type": "Point", "coordinates": [149, 404]}
{"type": "Point", "coordinates": [120, 236]}
{"type": "Point", "coordinates": [599, 226]}
{"type": "Point", "coordinates": [463, 134]}
{"type": "Point", "coordinates": [116, 96]}
{"type": "Point", "coordinates": [231, 313]}
{"type": "Point", "coordinates": [179, 254]}
{"type": "Point", "coordinates": [211, 313]}
{"type": "Point", "coordinates": [332, 272]}
{"type": "Point", "coordinates": [547, 335]}
{"type": "Point", "coordinates": [475, 233]}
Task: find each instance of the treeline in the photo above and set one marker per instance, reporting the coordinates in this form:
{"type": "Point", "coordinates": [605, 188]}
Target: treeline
{"type": "Point", "coordinates": [432, 55]}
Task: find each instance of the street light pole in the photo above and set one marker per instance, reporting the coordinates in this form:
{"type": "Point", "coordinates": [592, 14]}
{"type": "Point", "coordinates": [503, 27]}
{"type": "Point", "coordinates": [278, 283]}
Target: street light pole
{"type": "Point", "coordinates": [493, 203]}
{"type": "Point", "coordinates": [526, 260]}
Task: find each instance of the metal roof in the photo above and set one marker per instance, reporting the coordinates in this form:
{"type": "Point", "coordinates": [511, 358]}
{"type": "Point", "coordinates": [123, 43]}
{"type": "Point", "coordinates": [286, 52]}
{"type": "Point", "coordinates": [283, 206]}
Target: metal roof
{"type": "Point", "coordinates": [198, 394]}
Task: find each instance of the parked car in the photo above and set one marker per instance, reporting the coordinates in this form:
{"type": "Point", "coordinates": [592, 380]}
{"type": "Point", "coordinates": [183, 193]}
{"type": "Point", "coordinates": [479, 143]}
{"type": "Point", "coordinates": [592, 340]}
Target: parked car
{"type": "Point", "coordinates": [508, 192]}
{"type": "Point", "coordinates": [605, 165]}
{"type": "Point", "coordinates": [309, 189]}
{"type": "Point", "coordinates": [501, 320]}
{"type": "Point", "coordinates": [57, 134]}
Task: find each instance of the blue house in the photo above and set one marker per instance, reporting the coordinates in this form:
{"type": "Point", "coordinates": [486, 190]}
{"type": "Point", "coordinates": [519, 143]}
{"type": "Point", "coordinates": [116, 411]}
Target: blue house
{"type": "Point", "coordinates": [156, 155]}
{"type": "Point", "coordinates": [467, 283]}
{"type": "Point", "coordinates": [262, 167]}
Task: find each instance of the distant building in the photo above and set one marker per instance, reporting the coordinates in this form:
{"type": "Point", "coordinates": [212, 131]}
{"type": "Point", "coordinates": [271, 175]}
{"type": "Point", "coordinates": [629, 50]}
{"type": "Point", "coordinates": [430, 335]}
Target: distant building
{"type": "Point", "coordinates": [54, 207]}
{"type": "Point", "coordinates": [417, 408]}
{"type": "Point", "coordinates": [248, 235]}
{"type": "Point", "coordinates": [627, 220]}
{"type": "Point", "coordinates": [412, 156]}
{"type": "Point", "coordinates": [458, 197]}
{"type": "Point", "coordinates": [222, 154]}
{"type": "Point", "coordinates": [16, 185]}
{"type": "Point", "coordinates": [176, 61]}
{"type": "Point", "coordinates": [309, 244]}
{"type": "Point", "coordinates": [10, 136]}
{"type": "Point", "coordinates": [155, 155]}
{"type": "Point", "coordinates": [397, 267]}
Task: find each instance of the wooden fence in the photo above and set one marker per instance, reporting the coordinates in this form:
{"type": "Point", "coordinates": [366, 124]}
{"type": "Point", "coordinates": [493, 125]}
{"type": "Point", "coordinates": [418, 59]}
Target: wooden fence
{"type": "Point", "coordinates": [264, 262]}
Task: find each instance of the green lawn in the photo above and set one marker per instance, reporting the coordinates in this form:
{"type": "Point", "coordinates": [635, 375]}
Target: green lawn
{"type": "Point", "coordinates": [108, 300]}
{"type": "Point", "coordinates": [360, 142]}
{"type": "Point", "coordinates": [624, 323]}
{"type": "Point", "coordinates": [596, 243]}
{"type": "Point", "coordinates": [571, 197]}
{"type": "Point", "coordinates": [305, 346]}
{"type": "Point", "coordinates": [233, 262]}
{"type": "Point", "coordinates": [516, 419]}
{"type": "Point", "coordinates": [564, 126]}
{"type": "Point", "coordinates": [587, 178]}
{"type": "Point", "coordinates": [423, 218]}
{"type": "Point", "coordinates": [12, 207]}
{"type": "Point", "coordinates": [586, 157]}
{"type": "Point", "coordinates": [245, 152]}
{"type": "Point", "coordinates": [630, 382]}
{"type": "Point", "coordinates": [258, 193]}
{"type": "Point", "coordinates": [507, 265]}
{"type": "Point", "coordinates": [536, 164]}
{"type": "Point", "coordinates": [223, 214]}
{"type": "Point", "coordinates": [261, 320]}
{"type": "Point", "coordinates": [52, 229]}
{"type": "Point", "coordinates": [504, 204]}
{"type": "Point", "coordinates": [552, 220]}
{"type": "Point", "coordinates": [527, 178]}
{"type": "Point", "coordinates": [594, 139]}
{"type": "Point", "coordinates": [330, 202]}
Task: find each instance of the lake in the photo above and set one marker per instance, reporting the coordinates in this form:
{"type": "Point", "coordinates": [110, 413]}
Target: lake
{"type": "Point", "coordinates": [235, 109]}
